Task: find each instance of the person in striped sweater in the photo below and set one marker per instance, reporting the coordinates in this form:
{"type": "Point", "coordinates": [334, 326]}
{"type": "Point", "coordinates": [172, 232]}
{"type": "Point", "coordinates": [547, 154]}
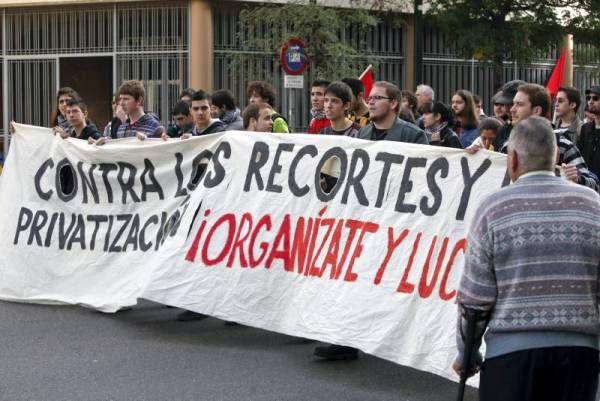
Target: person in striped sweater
{"type": "Point", "coordinates": [532, 265]}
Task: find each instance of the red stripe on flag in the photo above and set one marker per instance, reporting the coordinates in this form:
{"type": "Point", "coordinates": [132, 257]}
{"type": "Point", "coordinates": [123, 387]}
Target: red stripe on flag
{"type": "Point", "coordinates": [556, 76]}
{"type": "Point", "coordinates": [367, 79]}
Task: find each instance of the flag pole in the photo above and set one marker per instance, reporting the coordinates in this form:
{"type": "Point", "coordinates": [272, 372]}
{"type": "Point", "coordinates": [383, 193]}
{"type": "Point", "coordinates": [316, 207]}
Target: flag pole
{"type": "Point", "coordinates": [369, 67]}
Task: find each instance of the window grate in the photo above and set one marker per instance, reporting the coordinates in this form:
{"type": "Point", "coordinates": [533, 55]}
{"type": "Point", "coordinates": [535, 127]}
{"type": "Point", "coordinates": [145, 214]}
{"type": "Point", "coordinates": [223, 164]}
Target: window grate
{"type": "Point", "coordinates": [164, 77]}
{"type": "Point", "coordinates": [51, 30]}
{"type": "Point", "coordinates": [152, 27]}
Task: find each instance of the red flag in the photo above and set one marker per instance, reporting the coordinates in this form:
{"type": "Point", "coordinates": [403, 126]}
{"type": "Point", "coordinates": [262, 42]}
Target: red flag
{"type": "Point", "coordinates": [556, 76]}
{"type": "Point", "coordinates": [367, 79]}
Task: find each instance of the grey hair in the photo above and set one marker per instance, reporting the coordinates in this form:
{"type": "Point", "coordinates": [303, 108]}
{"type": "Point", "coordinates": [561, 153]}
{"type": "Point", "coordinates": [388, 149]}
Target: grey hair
{"type": "Point", "coordinates": [535, 144]}
{"type": "Point", "coordinates": [426, 89]}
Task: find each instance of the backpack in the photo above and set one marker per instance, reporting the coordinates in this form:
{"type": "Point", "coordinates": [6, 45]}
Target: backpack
{"type": "Point", "coordinates": [275, 116]}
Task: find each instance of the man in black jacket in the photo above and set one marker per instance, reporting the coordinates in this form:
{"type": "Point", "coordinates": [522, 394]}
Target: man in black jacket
{"type": "Point", "coordinates": [77, 116]}
{"type": "Point", "coordinates": [184, 122]}
{"type": "Point", "coordinates": [589, 139]}
{"type": "Point", "coordinates": [203, 123]}
{"type": "Point", "coordinates": [507, 94]}
{"type": "Point", "coordinates": [383, 103]}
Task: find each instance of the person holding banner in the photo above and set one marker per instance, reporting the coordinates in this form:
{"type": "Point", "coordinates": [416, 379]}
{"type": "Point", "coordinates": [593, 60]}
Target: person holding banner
{"type": "Point", "coordinates": [139, 124]}
{"type": "Point", "coordinates": [338, 100]}
{"type": "Point", "coordinates": [534, 100]}
{"type": "Point", "coordinates": [184, 122]}
{"type": "Point", "coordinates": [257, 117]}
{"type": "Point", "coordinates": [77, 116]}
{"type": "Point", "coordinates": [384, 102]}
{"type": "Point", "coordinates": [531, 266]}
{"type": "Point", "coordinates": [58, 120]}
{"type": "Point", "coordinates": [204, 124]}
{"type": "Point", "coordinates": [262, 92]}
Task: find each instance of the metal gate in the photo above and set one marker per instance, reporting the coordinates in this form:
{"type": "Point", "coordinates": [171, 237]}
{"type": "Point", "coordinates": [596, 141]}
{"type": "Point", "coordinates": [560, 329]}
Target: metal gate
{"type": "Point", "coordinates": [446, 72]}
{"type": "Point", "coordinates": [385, 42]}
{"type": "Point", "coordinates": [146, 41]}
{"type": "Point", "coordinates": [31, 87]}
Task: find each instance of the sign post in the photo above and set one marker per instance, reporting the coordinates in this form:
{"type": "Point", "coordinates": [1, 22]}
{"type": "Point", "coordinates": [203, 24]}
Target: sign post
{"type": "Point", "coordinates": [293, 60]}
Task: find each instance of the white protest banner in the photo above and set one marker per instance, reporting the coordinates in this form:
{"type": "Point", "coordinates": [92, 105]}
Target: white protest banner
{"type": "Point", "coordinates": [238, 226]}
{"type": "Point", "coordinates": [93, 239]}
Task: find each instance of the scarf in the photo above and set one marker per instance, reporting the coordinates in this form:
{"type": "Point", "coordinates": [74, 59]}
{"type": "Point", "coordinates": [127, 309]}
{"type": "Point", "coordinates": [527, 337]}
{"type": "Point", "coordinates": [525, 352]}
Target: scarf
{"type": "Point", "coordinates": [318, 114]}
{"type": "Point", "coordinates": [230, 115]}
{"type": "Point", "coordinates": [438, 128]}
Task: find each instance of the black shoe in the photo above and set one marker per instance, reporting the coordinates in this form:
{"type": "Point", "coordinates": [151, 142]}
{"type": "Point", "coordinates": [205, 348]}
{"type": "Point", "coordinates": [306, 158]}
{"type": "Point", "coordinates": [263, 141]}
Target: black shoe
{"type": "Point", "coordinates": [228, 323]}
{"type": "Point", "coordinates": [189, 316]}
{"type": "Point", "coordinates": [337, 353]}
{"type": "Point", "coordinates": [121, 309]}
{"type": "Point", "coordinates": [302, 340]}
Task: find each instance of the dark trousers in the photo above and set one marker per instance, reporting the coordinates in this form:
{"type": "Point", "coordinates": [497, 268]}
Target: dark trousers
{"type": "Point", "coordinates": [542, 374]}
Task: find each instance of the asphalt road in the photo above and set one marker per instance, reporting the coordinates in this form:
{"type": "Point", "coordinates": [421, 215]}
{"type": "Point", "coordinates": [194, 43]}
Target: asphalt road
{"type": "Point", "coordinates": [72, 353]}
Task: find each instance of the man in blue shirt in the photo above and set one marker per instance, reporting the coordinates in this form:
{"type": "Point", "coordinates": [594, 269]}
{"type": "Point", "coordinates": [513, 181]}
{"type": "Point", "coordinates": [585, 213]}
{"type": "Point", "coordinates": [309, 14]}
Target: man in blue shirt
{"type": "Point", "coordinates": [138, 123]}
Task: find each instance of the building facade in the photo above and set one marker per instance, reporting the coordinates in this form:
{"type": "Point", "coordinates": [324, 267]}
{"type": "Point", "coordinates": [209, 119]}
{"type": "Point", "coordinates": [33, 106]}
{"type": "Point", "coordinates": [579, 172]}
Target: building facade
{"type": "Point", "coordinates": [94, 45]}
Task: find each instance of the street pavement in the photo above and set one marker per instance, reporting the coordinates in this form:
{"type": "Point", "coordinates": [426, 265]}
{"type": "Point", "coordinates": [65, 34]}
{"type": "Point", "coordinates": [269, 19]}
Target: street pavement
{"type": "Point", "coordinates": [73, 353]}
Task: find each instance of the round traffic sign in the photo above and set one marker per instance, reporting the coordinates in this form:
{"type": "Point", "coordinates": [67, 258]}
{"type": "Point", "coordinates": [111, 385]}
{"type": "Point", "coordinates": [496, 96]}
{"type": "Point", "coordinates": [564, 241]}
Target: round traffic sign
{"type": "Point", "coordinates": [293, 56]}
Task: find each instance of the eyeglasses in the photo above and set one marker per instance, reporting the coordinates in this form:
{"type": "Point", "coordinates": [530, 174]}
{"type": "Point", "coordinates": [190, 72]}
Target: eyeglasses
{"type": "Point", "coordinates": [376, 98]}
{"type": "Point", "coordinates": [594, 98]}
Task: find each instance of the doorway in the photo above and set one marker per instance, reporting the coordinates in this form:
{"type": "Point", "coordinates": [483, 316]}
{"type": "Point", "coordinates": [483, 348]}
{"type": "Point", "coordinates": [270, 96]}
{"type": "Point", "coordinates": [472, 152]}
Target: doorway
{"type": "Point", "coordinates": [91, 77]}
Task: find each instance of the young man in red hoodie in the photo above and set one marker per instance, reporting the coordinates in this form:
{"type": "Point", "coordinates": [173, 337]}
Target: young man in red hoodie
{"type": "Point", "coordinates": [317, 111]}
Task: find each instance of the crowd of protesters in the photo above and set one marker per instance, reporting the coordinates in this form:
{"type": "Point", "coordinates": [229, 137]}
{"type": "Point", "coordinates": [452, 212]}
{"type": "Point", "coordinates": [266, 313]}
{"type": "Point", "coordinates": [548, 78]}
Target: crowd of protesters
{"type": "Point", "coordinates": [547, 146]}
{"type": "Point", "coordinates": [343, 108]}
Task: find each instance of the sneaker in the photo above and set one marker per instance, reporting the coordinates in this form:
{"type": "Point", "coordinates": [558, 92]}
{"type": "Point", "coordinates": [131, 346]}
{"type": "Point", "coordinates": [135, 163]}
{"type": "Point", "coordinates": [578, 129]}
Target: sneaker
{"type": "Point", "coordinates": [336, 353]}
{"type": "Point", "coordinates": [188, 316]}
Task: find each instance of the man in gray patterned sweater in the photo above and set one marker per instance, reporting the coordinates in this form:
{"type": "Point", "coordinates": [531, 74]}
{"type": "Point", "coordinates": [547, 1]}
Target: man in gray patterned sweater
{"type": "Point", "coordinates": [532, 265]}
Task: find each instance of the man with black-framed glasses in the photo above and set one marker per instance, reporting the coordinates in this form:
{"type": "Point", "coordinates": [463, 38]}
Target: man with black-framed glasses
{"type": "Point", "coordinates": [383, 103]}
{"type": "Point", "coordinates": [589, 138]}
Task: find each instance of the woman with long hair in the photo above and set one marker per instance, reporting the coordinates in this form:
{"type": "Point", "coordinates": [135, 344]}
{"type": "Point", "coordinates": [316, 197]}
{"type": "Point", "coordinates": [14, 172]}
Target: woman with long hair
{"type": "Point", "coordinates": [463, 106]}
{"type": "Point", "coordinates": [58, 120]}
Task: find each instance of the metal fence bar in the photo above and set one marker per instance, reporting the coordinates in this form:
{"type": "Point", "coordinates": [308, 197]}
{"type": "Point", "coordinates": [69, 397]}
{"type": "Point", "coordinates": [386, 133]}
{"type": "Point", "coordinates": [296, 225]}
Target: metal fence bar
{"type": "Point", "coordinates": [163, 77]}
{"type": "Point", "coordinates": [30, 87]}
{"type": "Point", "coordinates": [153, 26]}
{"type": "Point", "coordinates": [384, 41]}
{"type": "Point", "coordinates": [58, 30]}
{"type": "Point", "coordinates": [5, 117]}
{"type": "Point", "coordinates": [148, 42]}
